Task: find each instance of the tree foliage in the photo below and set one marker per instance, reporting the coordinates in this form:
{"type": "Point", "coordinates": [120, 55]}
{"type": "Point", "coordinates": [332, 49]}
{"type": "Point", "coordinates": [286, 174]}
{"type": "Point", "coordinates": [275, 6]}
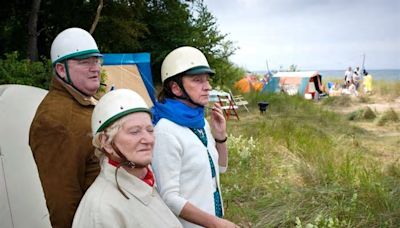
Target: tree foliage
{"type": "Point", "coordinates": [124, 26]}
{"type": "Point", "coordinates": [14, 71]}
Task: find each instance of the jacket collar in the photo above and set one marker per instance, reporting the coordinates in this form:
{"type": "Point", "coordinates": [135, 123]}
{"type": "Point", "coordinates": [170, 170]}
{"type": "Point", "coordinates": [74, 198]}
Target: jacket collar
{"type": "Point", "coordinates": [58, 84]}
{"type": "Point", "coordinates": [130, 184]}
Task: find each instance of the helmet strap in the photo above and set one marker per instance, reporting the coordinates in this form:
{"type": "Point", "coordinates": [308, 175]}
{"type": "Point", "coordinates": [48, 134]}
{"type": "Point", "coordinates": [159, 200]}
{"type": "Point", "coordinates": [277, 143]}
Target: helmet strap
{"type": "Point", "coordinates": [125, 162]}
{"type": "Point", "coordinates": [67, 73]}
{"type": "Point", "coordinates": [185, 95]}
{"type": "Point", "coordinates": [116, 180]}
{"type": "Point", "coordinates": [68, 78]}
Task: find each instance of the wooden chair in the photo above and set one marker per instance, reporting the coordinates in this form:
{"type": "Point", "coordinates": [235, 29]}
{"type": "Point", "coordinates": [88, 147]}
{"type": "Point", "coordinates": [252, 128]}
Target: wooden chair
{"type": "Point", "coordinates": [239, 100]}
{"type": "Point", "coordinates": [228, 106]}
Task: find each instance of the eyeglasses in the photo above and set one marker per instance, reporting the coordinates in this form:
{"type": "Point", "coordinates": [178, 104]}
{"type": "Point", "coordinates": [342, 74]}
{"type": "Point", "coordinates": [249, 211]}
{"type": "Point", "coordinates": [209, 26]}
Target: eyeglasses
{"type": "Point", "coordinates": [89, 62]}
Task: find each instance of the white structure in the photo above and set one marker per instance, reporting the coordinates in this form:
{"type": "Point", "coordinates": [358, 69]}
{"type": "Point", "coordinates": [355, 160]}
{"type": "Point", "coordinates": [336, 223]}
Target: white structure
{"type": "Point", "coordinates": [22, 202]}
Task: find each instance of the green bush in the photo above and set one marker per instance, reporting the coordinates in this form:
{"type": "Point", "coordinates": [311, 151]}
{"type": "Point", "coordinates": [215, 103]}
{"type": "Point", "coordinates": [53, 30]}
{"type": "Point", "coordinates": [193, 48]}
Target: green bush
{"type": "Point", "coordinates": [362, 114]}
{"type": "Point", "coordinates": [368, 114]}
{"type": "Point", "coordinates": [388, 116]}
{"type": "Point", "coordinates": [25, 72]}
{"type": "Point", "coordinates": [354, 115]}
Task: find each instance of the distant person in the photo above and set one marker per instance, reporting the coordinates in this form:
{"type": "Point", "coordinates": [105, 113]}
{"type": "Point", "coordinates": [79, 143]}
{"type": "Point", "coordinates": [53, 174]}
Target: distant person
{"type": "Point", "coordinates": [60, 134]}
{"type": "Point", "coordinates": [348, 77]}
{"type": "Point", "coordinates": [367, 82]}
{"type": "Point", "coordinates": [353, 90]}
{"type": "Point", "coordinates": [359, 73]}
{"type": "Point", "coordinates": [319, 87]}
{"type": "Point", "coordinates": [356, 79]}
{"type": "Point", "coordinates": [189, 153]}
{"type": "Point", "coordinates": [334, 89]}
{"type": "Point", "coordinates": [124, 193]}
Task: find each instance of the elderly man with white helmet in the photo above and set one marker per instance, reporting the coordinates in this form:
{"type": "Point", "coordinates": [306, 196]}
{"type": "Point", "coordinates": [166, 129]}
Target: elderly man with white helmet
{"type": "Point", "coordinates": [60, 134]}
{"type": "Point", "coordinates": [189, 153]}
{"type": "Point", "coordinates": [124, 194]}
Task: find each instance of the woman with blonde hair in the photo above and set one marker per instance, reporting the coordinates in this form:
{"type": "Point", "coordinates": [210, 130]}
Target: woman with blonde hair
{"type": "Point", "coordinates": [124, 194]}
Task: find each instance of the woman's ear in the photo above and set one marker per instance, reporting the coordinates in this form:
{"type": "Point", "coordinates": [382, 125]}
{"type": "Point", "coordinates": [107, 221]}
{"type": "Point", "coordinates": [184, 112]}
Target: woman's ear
{"type": "Point", "coordinates": [106, 145]}
{"type": "Point", "coordinates": [60, 70]}
{"type": "Point", "coordinates": [175, 89]}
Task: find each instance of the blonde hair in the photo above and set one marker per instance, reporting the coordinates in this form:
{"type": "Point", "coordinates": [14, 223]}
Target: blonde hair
{"type": "Point", "coordinates": [110, 132]}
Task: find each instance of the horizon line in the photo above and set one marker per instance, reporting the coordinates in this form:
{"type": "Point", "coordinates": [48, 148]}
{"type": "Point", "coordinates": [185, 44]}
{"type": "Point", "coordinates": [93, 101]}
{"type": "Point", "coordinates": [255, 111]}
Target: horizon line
{"type": "Point", "coordinates": [327, 69]}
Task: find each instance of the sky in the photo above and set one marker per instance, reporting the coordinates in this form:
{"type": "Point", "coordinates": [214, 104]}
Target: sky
{"type": "Point", "coordinates": [312, 34]}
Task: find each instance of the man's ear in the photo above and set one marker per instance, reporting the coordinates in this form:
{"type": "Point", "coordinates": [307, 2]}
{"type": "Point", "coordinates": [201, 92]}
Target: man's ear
{"type": "Point", "coordinates": [107, 146]}
{"type": "Point", "coordinates": [175, 89]}
{"type": "Point", "coordinates": [60, 70]}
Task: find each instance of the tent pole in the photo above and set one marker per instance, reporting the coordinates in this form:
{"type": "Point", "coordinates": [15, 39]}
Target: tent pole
{"type": "Point", "coordinates": [363, 62]}
{"type": "Point", "coordinates": [267, 65]}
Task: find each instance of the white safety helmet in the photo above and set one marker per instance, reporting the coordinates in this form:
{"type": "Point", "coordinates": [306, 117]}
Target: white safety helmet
{"type": "Point", "coordinates": [115, 105]}
{"type": "Point", "coordinates": [73, 43]}
{"type": "Point", "coordinates": [188, 60]}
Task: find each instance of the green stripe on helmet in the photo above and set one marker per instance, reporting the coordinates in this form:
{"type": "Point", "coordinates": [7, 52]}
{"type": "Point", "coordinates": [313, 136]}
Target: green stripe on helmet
{"type": "Point", "coordinates": [120, 115]}
{"type": "Point", "coordinates": [76, 54]}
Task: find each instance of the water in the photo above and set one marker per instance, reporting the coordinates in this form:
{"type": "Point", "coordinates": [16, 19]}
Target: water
{"type": "Point", "coordinates": [387, 75]}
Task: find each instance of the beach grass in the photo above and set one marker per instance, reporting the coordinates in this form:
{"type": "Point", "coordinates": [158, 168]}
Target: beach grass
{"type": "Point", "coordinates": [388, 116]}
{"type": "Point", "coordinates": [388, 89]}
{"type": "Point", "coordinates": [300, 165]}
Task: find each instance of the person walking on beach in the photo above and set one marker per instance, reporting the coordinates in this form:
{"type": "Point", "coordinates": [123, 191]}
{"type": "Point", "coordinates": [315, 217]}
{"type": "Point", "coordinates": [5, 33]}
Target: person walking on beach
{"type": "Point", "coordinates": [189, 153]}
{"type": "Point", "coordinates": [358, 72]}
{"type": "Point", "coordinates": [356, 78]}
{"type": "Point", "coordinates": [367, 82]}
{"type": "Point", "coordinates": [60, 134]}
{"type": "Point", "coordinates": [348, 77]}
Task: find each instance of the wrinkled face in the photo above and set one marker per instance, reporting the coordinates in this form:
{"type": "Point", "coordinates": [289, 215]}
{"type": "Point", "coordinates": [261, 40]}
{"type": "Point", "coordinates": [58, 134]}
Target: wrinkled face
{"type": "Point", "coordinates": [135, 139]}
{"type": "Point", "coordinates": [197, 87]}
{"type": "Point", "coordinates": [84, 74]}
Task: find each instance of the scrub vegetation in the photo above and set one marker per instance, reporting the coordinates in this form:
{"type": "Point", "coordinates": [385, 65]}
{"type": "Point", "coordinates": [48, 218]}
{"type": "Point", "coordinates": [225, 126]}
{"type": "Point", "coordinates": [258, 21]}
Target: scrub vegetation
{"type": "Point", "coordinates": [303, 165]}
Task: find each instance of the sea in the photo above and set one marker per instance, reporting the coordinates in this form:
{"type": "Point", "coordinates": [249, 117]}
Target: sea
{"type": "Point", "coordinates": [386, 75]}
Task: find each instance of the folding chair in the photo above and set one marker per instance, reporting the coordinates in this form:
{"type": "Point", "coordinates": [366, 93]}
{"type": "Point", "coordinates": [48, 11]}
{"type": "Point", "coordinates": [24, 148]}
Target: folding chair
{"type": "Point", "coordinates": [228, 107]}
{"type": "Point", "coordinates": [239, 100]}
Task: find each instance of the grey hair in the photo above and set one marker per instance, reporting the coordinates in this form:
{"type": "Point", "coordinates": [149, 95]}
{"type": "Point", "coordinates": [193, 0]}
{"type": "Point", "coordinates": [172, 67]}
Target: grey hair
{"type": "Point", "coordinates": [109, 133]}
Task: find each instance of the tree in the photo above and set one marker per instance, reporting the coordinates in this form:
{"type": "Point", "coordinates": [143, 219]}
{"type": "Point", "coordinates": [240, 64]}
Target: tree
{"type": "Point", "coordinates": [96, 19]}
{"type": "Point", "coordinates": [216, 47]}
{"type": "Point", "coordinates": [119, 26]}
{"type": "Point", "coordinates": [13, 18]}
{"type": "Point", "coordinates": [32, 31]}
{"type": "Point", "coordinates": [169, 27]}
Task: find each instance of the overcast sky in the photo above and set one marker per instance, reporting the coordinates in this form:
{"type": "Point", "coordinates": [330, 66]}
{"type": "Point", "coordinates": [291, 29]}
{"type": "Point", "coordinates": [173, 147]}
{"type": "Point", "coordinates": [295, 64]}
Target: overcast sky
{"type": "Point", "coordinates": [313, 34]}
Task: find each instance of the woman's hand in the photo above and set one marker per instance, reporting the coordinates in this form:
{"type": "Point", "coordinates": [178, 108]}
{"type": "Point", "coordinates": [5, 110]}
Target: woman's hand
{"type": "Point", "coordinates": [218, 130]}
{"type": "Point", "coordinates": [218, 122]}
{"type": "Point", "coordinates": [223, 223]}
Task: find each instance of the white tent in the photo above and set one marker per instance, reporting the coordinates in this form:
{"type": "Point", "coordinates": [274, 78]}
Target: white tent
{"type": "Point", "coordinates": [22, 202]}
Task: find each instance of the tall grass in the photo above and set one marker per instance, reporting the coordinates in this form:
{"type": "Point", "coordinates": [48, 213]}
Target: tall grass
{"type": "Point", "coordinates": [389, 89]}
{"type": "Point", "coordinates": [389, 115]}
{"type": "Point", "coordinates": [299, 164]}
